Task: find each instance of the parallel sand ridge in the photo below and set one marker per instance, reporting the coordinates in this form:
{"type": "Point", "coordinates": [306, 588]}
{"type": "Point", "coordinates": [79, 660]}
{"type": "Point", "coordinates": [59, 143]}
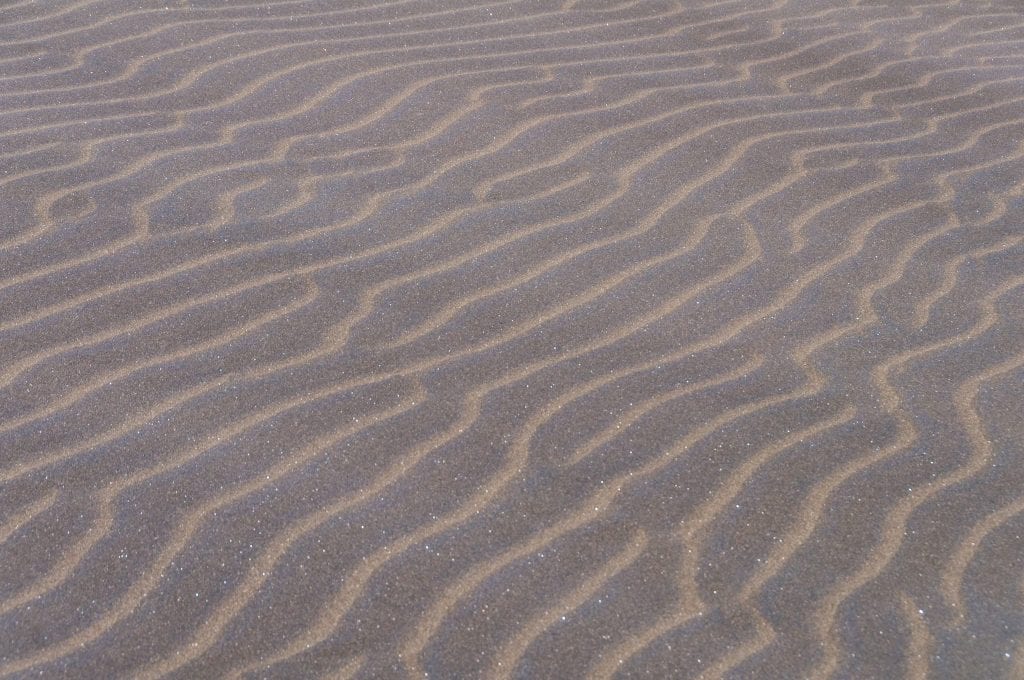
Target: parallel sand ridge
{"type": "Point", "coordinates": [436, 338]}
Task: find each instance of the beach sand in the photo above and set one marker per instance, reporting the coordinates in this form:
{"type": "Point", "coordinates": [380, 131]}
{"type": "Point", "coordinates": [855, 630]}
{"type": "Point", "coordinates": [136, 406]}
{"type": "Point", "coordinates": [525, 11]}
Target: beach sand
{"type": "Point", "coordinates": [529, 339]}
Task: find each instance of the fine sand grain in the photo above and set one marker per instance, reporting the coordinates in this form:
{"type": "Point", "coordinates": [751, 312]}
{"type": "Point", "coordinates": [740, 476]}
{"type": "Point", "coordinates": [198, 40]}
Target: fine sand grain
{"type": "Point", "coordinates": [525, 339]}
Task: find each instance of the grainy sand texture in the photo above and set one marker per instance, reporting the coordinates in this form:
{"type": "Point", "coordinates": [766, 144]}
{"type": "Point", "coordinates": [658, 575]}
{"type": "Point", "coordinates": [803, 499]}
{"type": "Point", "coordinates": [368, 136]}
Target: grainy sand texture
{"type": "Point", "coordinates": [525, 339]}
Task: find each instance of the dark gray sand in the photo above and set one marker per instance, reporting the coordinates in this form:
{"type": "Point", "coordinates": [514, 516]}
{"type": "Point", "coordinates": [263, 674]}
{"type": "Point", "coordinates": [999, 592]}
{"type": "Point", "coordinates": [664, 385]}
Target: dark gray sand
{"type": "Point", "coordinates": [451, 339]}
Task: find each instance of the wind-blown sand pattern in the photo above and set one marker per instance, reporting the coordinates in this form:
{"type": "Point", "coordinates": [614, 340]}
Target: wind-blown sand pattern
{"type": "Point", "coordinates": [530, 339]}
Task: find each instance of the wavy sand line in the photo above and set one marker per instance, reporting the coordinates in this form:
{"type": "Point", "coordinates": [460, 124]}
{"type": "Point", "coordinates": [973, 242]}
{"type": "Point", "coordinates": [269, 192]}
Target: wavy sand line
{"type": "Point", "coordinates": [770, 88]}
{"type": "Point", "coordinates": [14, 523]}
{"type": "Point", "coordinates": [508, 657]}
{"type": "Point", "coordinates": [60, 573]}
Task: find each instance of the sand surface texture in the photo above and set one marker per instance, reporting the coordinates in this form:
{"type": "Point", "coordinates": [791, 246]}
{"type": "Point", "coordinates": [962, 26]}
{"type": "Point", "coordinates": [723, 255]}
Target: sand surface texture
{"type": "Point", "coordinates": [525, 339]}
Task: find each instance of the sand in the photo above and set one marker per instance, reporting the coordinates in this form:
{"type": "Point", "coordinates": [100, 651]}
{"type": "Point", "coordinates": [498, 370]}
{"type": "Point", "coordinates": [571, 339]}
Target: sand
{"type": "Point", "coordinates": [529, 339]}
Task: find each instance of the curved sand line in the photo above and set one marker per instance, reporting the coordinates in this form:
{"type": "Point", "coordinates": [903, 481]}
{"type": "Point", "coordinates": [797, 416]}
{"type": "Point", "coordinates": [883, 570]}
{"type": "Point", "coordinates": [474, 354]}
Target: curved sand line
{"type": "Point", "coordinates": [729, 288]}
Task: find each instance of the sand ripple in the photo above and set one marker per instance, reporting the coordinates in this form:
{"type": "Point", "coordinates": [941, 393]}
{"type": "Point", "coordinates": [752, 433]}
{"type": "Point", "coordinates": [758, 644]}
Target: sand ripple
{"type": "Point", "coordinates": [531, 339]}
